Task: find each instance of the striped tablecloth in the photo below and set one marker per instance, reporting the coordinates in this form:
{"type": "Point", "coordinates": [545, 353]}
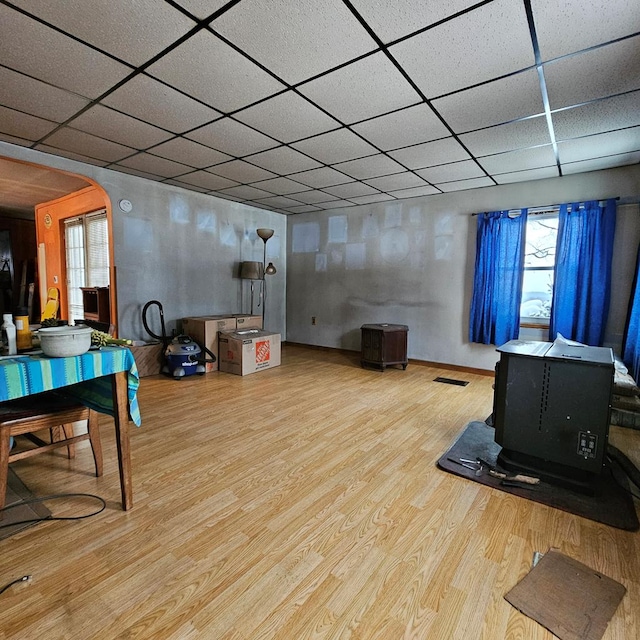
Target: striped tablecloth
{"type": "Point", "coordinates": [84, 377]}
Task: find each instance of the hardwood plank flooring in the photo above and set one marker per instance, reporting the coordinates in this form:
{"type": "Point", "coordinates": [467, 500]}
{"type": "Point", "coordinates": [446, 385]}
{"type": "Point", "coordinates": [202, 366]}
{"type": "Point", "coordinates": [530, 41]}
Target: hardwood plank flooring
{"type": "Point", "coordinates": [302, 502]}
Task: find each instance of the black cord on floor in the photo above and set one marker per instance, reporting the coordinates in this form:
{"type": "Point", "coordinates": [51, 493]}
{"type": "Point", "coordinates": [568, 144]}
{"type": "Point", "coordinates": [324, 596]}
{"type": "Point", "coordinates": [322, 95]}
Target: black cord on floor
{"type": "Point", "coordinates": [56, 496]}
{"type": "Point", "coordinates": [6, 586]}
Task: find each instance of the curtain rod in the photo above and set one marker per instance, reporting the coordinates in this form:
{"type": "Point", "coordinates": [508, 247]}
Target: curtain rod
{"type": "Point", "coordinates": [546, 208]}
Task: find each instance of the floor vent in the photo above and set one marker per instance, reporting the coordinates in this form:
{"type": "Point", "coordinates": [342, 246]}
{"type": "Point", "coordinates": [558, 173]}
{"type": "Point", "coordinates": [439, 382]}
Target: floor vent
{"type": "Point", "coordinates": [459, 383]}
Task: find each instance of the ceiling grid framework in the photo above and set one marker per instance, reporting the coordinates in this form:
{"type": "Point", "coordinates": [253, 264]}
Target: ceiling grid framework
{"type": "Point", "coordinates": [305, 105]}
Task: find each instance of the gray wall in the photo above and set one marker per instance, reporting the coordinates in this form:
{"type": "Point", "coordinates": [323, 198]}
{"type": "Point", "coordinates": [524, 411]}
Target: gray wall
{"type": "Point", "coordinates": [181, 248]}
{"type": "Point", "coordinates": [408, 261]}
{"type": "Point", "coordinates": [411, 262]}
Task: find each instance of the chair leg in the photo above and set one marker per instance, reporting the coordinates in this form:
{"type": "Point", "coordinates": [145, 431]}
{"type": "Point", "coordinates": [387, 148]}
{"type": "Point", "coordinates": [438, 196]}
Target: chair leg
{"type": "Point", "coordinates": [4, 465]}
{"type": "Point", "coordinates": [94, 437]}
{"type": "Point", "coordinates": [67, 430]}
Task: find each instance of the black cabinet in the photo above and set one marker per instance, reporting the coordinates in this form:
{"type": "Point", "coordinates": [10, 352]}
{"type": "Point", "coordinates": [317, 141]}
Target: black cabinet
{"type": "Point", "coordinates": [384, 345]}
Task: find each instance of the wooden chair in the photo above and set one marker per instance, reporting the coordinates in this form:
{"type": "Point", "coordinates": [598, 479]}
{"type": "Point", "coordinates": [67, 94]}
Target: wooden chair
{"type": "Point", "coordinates": [44, 411]}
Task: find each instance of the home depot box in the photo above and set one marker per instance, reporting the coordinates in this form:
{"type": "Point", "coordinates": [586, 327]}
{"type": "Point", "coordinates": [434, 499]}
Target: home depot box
{"type": "Point", "coordinates": [244, 321]}
{"type": "Point", "coordinates": [204, 330]}
{"type": "Point", "coordinates": [247, 351]}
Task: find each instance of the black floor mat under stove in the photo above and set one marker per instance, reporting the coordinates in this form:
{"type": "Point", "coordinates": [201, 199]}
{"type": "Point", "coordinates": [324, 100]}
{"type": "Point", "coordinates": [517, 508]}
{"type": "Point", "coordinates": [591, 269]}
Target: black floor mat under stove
{"type": "Point", "coordinates": [610, 504]}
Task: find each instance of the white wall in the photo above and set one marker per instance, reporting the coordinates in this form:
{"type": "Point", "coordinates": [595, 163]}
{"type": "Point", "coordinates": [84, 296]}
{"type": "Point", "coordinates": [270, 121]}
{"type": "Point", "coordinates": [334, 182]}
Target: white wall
{"type": "Point", "coordinates": [180, 247]}
{"type": "Point", "coordinates": [411, 262]}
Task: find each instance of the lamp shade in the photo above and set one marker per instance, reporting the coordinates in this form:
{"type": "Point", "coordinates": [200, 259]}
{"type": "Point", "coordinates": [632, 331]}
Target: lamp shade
{"type": "Point", "coordinates": [265, 234]}
{"type": "Point", "coordinates": [251, 270]}
{"type": "Point", "coordinates": [270, 270]}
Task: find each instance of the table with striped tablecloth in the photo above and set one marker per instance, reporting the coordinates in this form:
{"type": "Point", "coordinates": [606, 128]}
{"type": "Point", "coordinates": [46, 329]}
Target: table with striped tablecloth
{"type": "Point", "coordinates": [95, 378]}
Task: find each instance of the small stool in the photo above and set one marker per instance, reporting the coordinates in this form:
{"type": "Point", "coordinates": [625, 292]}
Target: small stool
{"type": "Point", "coordinates": [44, 411]}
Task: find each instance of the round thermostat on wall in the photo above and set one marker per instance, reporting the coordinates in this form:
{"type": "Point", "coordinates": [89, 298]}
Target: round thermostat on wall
{"type": "Point", "coordinates": [125, 205]}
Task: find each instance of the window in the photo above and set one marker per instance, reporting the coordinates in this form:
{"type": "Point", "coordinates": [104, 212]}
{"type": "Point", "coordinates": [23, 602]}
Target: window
{"type": "Point", "coordinates": [539, 260]}
{"type": "Point", "coordinates": [87, 252]}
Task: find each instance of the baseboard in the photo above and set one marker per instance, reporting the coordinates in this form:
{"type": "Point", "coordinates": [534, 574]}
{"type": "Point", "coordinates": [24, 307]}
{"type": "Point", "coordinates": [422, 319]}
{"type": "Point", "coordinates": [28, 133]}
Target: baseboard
{"type": "Point", "coordinates": [414, 361]}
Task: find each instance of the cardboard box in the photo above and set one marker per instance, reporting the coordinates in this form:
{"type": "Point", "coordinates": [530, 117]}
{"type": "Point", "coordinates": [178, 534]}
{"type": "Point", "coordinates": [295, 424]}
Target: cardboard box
{"type": "Point", "coordinates": [248, 351]}
{"type": "Point", "coordinates": [204, 330]}
{"type": "Point", "coordinates": [245, 321]}
{"type": "Point", "coordinates": [149, 357]}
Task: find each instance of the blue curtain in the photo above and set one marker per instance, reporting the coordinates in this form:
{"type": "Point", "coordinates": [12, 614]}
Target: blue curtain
{"type": "Point", "coordinates": [497, 285]}
{"type": "Point", "coordinates": [582, 273]}
{"type": "Point", "coordinates": [631, 353]}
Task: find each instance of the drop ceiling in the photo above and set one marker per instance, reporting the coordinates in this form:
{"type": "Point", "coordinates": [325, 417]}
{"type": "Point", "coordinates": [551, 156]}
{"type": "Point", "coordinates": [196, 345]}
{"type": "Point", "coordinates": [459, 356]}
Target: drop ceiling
{"type": "Point", "coordinates": [304, 105]}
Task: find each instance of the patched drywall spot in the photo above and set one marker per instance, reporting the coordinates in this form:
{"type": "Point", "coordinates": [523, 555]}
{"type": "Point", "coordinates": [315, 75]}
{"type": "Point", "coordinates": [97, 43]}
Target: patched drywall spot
{"type": "Point", "coordinates": [178, 210]}
{"type": "Point", "coordinates": [321, 261]}
{"type": "Point", "coordinates": [305, 237]}
{"type": "Point", "coordinates": [370, 226]}
{"type": "Point", "coordinates": [392, 216]}
{"type": "Point", "coordinates": [355, 257]}
{"type": "Point", "coordinates": [394, 245]}
{"type": "Point", "coordinates": [206, 221]}
{"type": "Point", "coordinates": [337, 229]}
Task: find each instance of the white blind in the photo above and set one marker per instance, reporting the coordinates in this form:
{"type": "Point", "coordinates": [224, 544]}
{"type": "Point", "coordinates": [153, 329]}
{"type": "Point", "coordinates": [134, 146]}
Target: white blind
{"type": "Point", "coordinates": [97, 242]}
{"type": "Point", "coordinates": [87, 252]}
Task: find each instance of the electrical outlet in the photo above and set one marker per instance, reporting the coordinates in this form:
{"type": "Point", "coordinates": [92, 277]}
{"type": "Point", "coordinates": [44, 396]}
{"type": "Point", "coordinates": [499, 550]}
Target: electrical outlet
{"type": "Point", "coordinates": [313, 319]}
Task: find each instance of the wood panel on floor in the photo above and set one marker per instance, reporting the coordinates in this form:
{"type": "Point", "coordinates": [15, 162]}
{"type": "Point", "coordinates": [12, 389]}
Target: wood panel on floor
{"type": "Point", "coordinates": [298, 502]}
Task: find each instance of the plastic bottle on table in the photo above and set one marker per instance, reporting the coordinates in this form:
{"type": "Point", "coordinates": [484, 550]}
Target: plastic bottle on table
{"type": "Point", "coordinates": [9, 346]}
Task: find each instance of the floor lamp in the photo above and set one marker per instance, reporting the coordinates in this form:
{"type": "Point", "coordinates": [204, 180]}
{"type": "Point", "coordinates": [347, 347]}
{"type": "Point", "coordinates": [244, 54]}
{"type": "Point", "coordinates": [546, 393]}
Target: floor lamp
{"type": "Point", "coordinates": [251, 270]}
{"type": "Point", "coordinates": [267, 269]}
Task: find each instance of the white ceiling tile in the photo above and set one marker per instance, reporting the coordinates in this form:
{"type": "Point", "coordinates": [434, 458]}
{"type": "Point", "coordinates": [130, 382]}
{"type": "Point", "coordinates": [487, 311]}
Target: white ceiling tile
{"type": "Point", "coordinates": [37, 98]}
{"type": "Point", "coordinates": [71, 155]}
{"type": "Point", "coordinates": [22, 125]}
{"type": "Point", "coordinates": [565, 26]}
{"type": "Point", "coordinates": [351, 190]}
{"type": "Point", "coordinates": [283, 160]}
{"type": "Point", "coordinates": [39, 51]}
{"type": "Point", "coordinates": [189, 153]}
{"type": "Point", "coordinates": [241, 171]}
{"type": "Point", "coordinates": [306, 37]}
{"type": "Point", "coordinates": [287, 117]}
{"type": "Point", "coordinates": [141, 174]}
{"type": "Point", "coordinates": [202, 9]}
{"type": "Point", "coordinates": [603, 144]}
{"type": "Point", "coordinates": [224, 196]}
{"type": "Point", "coordinates": [208, 69]}
{"type": "Point", "coordinates": [530, 174]}
{"type": "Point", "coordinates": [415, 192]}
{"type": "Point", "coordinates": [607, 162]}
{"type": "Point", "coordinates": [336, 204]}
{"type": "Point", "coordinates": [496, 102]}
{"type": "Point", "coordinates": [87, 145]}
{"type": "Point", "coordinates": [314, 197]}
{"type": "Point", "coordinates": [507, 137]}
{"type": "Point", "coordinates": [463, 185]}
{"type": "Point", "coordinates": [303, 208]}
{"type": "Point", "coordinates": [207, 180]}
{"type": "Point", "coordinates": [150, 100]}
{"type": "Point", "coordinates": [335, 146]}
{"type": "Point", "coordinates": [370, 167]}
{"type": "Point", "coordinates": [378, 197]}
{"type": "Point", "coordinates": [363, 89]}
{"type": "Point", "coordinates": [453, 171]}
{"type": "Point", "coordinates": [276, 201]}
{"type": "Point", "coordinates": [322, 177]}
{"type": "Point", "coordinates": [14, 139]}
{"type": "Point", "coordinates": [392, 20]}
{"type": "Point", "coordinates": [404, 180]}
{"type": "Point", "coordinates": [132, 31]}
{"type": "Point", "coordinates": [113, 125]}
{"type": "Point", "coordinates": [281, 186]}
{"type": "Point", "coordinates": [189, 187]}
{"type": "Point", "coordinates": [598, 117]}
{"type": "Point", "coordinates": [520, 160]}
{"type": "Point", "coordinates": [402, 128]}
{"type": "Point", "coordinates": [481, 45]}
{"type": "Point", "coordinates": [154, 164]}
{"type": "Point", "coordinates": [599, 73]}
{"type": "Point", "coordinates": [245, 192]}
{"type": "Point", "coordinates": [232, 137]}
{"type": "Point", "coordinates": [429, 154]}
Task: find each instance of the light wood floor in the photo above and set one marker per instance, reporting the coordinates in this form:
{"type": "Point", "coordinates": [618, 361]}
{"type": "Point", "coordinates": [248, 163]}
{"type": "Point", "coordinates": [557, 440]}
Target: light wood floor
{"type": "Point", "coordinates": [298, 503]}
